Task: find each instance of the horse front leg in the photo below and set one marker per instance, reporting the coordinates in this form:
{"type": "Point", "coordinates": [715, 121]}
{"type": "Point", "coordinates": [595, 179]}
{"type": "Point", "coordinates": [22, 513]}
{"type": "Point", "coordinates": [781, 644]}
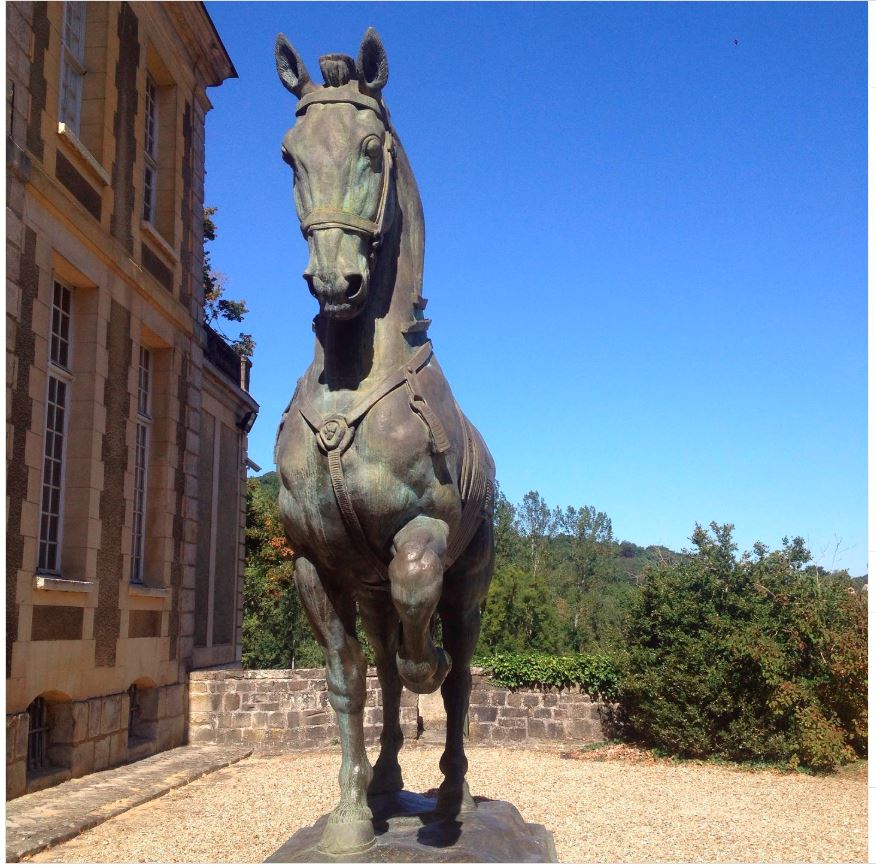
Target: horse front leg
{"type": "Point", "coordinates": [333, 618]}
{"type": "Point", "coordinates": [416, 577]}
{"type": "Point", "coordinates": [382, 626]}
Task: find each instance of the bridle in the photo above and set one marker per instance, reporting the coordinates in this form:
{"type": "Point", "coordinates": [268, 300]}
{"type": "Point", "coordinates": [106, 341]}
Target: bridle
{"type": "Point", "coordinates": [331, 218]}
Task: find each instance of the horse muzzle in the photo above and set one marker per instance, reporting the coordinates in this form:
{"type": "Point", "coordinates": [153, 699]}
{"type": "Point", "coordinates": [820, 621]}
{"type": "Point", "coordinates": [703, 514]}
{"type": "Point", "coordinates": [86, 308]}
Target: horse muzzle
{"type": "Point", "coordinates": [340, 295]}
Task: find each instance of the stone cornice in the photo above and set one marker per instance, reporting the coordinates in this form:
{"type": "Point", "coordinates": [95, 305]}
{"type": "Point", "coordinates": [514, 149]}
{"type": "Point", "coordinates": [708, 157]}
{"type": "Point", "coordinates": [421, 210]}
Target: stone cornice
{"type": "Point", "coordinates": [210, 59]}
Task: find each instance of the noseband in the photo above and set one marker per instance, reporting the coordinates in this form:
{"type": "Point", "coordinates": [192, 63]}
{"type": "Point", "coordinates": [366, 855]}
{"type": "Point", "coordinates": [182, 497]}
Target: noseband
{"type": "Point", "coordinates": [330, 218]}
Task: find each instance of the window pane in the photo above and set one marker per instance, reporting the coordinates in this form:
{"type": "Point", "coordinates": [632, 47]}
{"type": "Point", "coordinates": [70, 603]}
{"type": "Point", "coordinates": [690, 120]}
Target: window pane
{"type": "Point", "coordinates": [140, 463]}
{"type": "Point", "coordinates": [74, 29]}
{"type": "Point", "coordinates": [143, 381]}
{"type": "Point", "coordinates": [51, 503]}
{"type": "Point", "coordinates": [60, 337]}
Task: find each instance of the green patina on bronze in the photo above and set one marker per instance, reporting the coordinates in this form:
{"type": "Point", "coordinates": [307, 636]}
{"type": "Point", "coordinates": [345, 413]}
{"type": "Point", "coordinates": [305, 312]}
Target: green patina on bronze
{"type": "Point", "coordinates": [386, 488]}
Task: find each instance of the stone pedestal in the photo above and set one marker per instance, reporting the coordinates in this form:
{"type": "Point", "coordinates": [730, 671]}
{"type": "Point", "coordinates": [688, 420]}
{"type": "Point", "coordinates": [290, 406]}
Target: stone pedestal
{"type": "Point", "coordinates": [408, 831]}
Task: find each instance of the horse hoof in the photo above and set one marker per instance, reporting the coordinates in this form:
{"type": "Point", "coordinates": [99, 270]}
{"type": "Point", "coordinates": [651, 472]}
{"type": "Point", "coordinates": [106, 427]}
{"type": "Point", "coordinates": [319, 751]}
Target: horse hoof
{"type": "Point", "coordinates": [455, 800]}
{"type": "Point", "coordinates": [346, 837]}
{"type": "Point", "coordinates": [423, 679]}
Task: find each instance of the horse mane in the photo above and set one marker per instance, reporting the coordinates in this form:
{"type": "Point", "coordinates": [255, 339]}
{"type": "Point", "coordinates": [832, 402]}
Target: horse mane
{"type": "Point", "coordinates": [337, 69]}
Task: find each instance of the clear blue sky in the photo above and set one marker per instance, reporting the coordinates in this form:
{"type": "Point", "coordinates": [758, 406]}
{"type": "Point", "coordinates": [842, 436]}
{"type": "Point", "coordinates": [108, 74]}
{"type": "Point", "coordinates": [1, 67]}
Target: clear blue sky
{"type": "Point", "coordinates": [646, 245]}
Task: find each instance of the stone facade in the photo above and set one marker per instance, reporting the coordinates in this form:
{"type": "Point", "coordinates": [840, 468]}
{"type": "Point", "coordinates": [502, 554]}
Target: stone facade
{"type": "Point", "coordinates": [92, 735]}
{"type": "Point", "coordinates": [80, 213]}
{"type": "Point", "coordinates": [279, 710]}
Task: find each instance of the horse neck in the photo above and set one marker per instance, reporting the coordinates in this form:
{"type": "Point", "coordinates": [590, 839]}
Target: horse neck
{"type": "Point", "coordinates": [375, 343]}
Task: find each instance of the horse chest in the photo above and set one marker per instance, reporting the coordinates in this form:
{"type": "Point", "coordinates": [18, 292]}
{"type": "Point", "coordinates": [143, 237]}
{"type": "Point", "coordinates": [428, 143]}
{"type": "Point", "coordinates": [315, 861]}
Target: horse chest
{"type": "Point", "coordinates": [388, 473]}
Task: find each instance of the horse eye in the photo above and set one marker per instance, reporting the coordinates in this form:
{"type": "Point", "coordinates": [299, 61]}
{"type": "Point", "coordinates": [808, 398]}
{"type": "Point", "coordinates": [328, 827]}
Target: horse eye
{"type": "Point", "coordinates": [372, 148]}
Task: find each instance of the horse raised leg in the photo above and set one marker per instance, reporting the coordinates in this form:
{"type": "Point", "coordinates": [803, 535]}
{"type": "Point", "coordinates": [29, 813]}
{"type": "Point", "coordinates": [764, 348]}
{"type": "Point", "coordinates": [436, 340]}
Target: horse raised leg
{"type": "Point", "coordinates": [416, 577]}
{"type": "Point", "coordinates": [333, 619]}
{"type": "Point", "coordinates": [460, 612]}
{"type": "Point", "coordinates": [381, 625]}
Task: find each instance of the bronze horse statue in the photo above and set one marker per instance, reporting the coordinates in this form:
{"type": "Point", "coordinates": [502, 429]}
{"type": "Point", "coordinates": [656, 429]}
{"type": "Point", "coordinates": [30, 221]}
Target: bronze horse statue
{"type": "Point", "coordinates": [386, 488]}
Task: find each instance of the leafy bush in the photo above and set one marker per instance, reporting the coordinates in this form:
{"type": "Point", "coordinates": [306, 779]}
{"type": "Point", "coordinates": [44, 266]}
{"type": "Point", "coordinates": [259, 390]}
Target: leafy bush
{"type": "Point", "coordinates": [757, 658]}
{"type": "Point", "coordinates": [275, 629]}
{"type": "Point", "coordinates": [595, 674]}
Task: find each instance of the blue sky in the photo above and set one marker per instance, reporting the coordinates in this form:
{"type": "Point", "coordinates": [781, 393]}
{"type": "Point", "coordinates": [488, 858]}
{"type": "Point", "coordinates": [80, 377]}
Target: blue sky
{"type": "Point", "coordinates": [646, 245]}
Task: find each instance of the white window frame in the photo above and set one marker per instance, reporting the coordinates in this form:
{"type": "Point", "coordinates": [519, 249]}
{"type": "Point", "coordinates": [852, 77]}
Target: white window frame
{"type": "Point", "coordinates": [60, 373]}
{"type": "Point", "coordinates": [72, 66]}
{"type": "Point", "coordinates": [141, 463]}
{"type": "Point", "coordinates": [150, 151]}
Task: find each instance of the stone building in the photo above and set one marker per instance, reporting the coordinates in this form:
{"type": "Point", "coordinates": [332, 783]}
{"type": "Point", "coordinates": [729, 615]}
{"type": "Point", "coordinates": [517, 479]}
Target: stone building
{"type": "Point", "coordinates": [126, 418]}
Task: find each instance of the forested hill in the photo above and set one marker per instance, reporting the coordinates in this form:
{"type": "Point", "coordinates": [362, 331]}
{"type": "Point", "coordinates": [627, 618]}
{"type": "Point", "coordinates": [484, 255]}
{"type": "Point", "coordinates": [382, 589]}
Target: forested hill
{"type": "Point", "coordinates": [562, 579]}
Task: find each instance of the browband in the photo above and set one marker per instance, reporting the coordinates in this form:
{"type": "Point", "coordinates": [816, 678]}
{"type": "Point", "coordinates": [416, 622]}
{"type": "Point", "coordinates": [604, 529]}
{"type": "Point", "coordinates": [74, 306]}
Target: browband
{"type": "Point", "coordinates": [329, 94]}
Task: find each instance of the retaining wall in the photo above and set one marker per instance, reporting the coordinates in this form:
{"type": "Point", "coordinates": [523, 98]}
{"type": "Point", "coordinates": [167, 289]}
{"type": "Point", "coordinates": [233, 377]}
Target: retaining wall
{"type": "Point", "coordinates": [278, 710]}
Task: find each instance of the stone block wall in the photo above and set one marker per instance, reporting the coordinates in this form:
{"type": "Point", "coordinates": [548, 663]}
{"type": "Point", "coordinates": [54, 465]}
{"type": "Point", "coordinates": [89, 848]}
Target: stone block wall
{"type": "Point", "coordinates": [498, 715]}
{"type": "Point", "coordinates": [275, 711]}
{"type": "Point", "coordinates": [279, 710]}
{"type": "Point", "coordinates": [92, 735]}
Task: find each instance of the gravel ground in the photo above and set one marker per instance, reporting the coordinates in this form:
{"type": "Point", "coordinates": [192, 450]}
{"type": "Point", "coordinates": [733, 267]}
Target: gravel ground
{"type": "Point", "coordinates": [623, 808]}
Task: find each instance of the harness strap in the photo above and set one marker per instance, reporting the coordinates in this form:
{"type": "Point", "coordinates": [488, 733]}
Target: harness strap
{"type": "Point", "coordinates": [334, 434]}
{"type": "Point", "coordinates": [361, 408]}
{"type": "Point", "coordinates": [475, 488]}
{"type": "Point", "coordinates": [438, 436]}
{"type": "Point", "coordinates": [351, 519]}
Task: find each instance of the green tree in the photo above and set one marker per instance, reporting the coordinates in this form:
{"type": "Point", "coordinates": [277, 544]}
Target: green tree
{"type": "Point", "coordinates": [276, 633]}
{"type": "Point", "coordinates": [589, 533]}
{"type": "Point", "coordinates": [536, 523]}
{"type": "Point", "coordinates": [518, 615]}
{"type": "Point", "coordinates": [218, 308]}
{"type": "Point", "coordinates": [758, 657]}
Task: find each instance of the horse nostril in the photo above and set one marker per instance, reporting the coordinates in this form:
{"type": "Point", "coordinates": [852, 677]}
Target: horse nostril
{"type": "Point", "coordinates": [308, 278]}
{"type": "Point", "coordinates": [354, 286]}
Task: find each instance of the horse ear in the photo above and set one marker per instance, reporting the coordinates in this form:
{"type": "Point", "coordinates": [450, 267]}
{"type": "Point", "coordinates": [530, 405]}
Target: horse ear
{"type": "Point", "coordinates": [291, 69]}
{"type": "Point", "coordinates": [372, 65]}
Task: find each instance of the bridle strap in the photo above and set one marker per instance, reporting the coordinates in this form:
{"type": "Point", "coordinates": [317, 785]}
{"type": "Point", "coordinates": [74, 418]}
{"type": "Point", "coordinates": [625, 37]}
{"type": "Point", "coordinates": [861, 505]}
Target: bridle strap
{"type": "Point", "coordinates": [326, 218]}
{"type": "Point", "coordinates": [329, 94]}
{"type": "Point", "coordinates": [330, 218]}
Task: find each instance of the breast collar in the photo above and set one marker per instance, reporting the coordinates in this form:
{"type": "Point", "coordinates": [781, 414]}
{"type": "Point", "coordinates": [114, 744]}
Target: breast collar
{"type": "Point", "coordinates": [334, 435]}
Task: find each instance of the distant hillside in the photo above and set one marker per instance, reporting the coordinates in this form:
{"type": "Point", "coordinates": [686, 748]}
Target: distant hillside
{"type": "Point", "coordinates": [269, 482]}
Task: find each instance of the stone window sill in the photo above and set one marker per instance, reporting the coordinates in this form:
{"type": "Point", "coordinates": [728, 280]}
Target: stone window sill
{"type": "Point", "coordinates": [60, 584]}
{"type": "Point", "coordinates": [155, 237]}
{"type": "Point", "coordinates": [149, 591]}
{"type": "Point", "coordinates": [82, 154]}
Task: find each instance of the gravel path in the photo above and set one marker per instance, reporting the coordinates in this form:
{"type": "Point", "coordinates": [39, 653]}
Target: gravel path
{"type": "Point", "coordinates": [599, 811]}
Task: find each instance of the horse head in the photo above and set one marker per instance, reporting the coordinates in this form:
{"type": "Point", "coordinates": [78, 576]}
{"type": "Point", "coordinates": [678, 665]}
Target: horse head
{"type": "Point", "coordinates": [341, 152]}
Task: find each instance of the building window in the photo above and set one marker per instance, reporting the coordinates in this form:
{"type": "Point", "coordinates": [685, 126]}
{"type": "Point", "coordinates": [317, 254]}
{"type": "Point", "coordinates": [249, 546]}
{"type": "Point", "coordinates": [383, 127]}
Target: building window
{"type": "Point", "coordinates": [141, 461]}
{"type": "Point", "coordinates": [150, 178]}
{"type": "Point", "coordinates": [37, 735]}
{"type": "Point", "coordinates": [59, 381]}
{"type": "Point", "coordinates": [72, 65]}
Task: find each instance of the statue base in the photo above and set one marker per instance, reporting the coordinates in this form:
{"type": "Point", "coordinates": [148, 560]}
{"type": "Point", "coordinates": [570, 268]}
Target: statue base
{"type": "Point", "coordinates": [407, 830]}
